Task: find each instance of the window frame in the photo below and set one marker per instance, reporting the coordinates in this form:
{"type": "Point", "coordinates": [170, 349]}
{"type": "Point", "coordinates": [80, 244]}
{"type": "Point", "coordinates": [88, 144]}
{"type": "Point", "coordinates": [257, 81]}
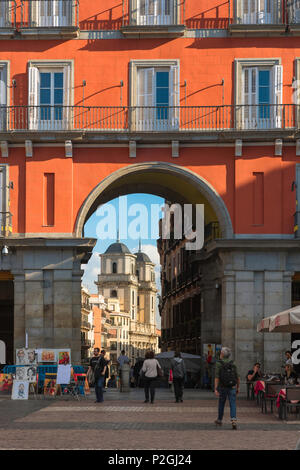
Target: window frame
{"type": "Point", "coordinates": [134, 67]}
{"type": "Point", "coordinates": [239, 66]}
{"type": "Point", "coordinates": [34, 120]}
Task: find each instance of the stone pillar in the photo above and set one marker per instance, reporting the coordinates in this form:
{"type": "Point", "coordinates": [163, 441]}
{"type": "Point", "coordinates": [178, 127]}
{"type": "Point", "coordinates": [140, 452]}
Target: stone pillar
{"type": "Point", "coordinates": [228, 310]}
{"type": "Point", "coordinates": [47, 291]}
{"type": "Point", "coordinates": [277, 297]}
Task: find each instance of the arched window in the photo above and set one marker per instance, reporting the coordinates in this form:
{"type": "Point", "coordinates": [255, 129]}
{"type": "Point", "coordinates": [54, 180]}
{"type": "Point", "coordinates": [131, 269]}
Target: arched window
{"type": "Point", "coordinates": [114, 293]}
{"type": "Point", "coordinates": [114, 268]}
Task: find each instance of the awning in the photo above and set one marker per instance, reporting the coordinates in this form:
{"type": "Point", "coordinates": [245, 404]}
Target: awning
{"type": "Point", "coordinates": [264, 324]}
{"type": "Point", "coordinates": [287, 321]}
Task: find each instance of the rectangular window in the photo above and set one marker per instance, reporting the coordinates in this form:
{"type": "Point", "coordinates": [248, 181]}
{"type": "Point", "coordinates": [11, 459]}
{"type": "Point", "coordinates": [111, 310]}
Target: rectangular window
{"type": "Point", "coordinates": [49, 190]}
{"type": "Point", "coordinates": [49, 96]}
{"type": "Point", "coordinates": [157, 98]}
{"type": "Point", "coordinates": [155, 12]}
{"type": "Point", "coordinates": [258, 12]}
{"type": "Point", "coordinates": [262, 97]}
{"type": "Point", "coordinates": [51, 13]}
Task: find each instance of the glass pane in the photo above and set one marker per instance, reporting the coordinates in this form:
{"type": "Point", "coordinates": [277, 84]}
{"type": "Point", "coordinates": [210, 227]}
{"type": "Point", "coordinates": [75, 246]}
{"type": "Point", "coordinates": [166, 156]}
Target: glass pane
{"type": "Point", "coordinates": [264, 78]}
{"type": "Point", "coordinates": [162, 96]}
{"type": "Point", "coordinates": [45, 96]}
{"type": "Point", "coordinates": [58, 80]}
{"type": "Point", "coordinates": [58, 96]}
{"type": "Point", "coordinates": [162, 79]}
{"type": "Point", "coordinates": [45, 80]}
{"type": "Point", "coordinates": [264, 95]}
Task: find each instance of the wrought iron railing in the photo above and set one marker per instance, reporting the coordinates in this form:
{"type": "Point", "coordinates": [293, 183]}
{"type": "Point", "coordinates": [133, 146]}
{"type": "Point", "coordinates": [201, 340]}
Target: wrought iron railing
{"type": "Point", "coordinates": [150, 119]}
{"type": "Point", "coordinates": [153, 13]}
{"type": "Point", "coordinates": [49, 13]}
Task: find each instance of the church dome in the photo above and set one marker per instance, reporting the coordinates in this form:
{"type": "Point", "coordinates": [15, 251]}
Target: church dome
{"type": "Point", "coordinates": [142, 257]}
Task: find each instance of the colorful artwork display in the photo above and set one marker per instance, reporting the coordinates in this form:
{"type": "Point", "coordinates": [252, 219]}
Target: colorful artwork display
{"type": "Point", "coordinates": [64, 357]}
{"type": "Point", "coordinates": [25, 356]}
{"type": "Point", "coordinates": [20, 390]}
{"type": "Point", "coordinates": [6, 383]}
{"type": "Point", "coordinates": [50, 385]}
{"type": "Point", "coordinates": [209, 351]}
{"type": "Point", "coordinates": [46, 355]}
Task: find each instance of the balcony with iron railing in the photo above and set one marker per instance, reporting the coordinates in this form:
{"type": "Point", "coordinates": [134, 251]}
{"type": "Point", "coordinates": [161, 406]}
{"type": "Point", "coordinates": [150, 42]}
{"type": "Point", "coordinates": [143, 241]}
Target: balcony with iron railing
{"type": "Point", "coordinates": [49, 18]}
{"type": "Point", "coordinates": [39, 18]}
{"type": "Point", "coordinates": [153, 18]}
{"type": "Point", "coordinates": [267, 17]}
{"type": "Point", "coordinates": [227, 122]}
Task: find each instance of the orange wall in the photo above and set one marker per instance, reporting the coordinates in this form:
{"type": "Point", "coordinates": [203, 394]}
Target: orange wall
{"type": "Point", "coordinates": [103, 64]}
{"type": "Point", "coordinates": [75, 178]}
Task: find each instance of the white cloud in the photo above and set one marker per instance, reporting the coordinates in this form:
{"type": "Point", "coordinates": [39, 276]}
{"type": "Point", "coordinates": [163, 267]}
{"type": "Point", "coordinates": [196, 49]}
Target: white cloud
{"type": "Point", "coordinates": [91, 271]}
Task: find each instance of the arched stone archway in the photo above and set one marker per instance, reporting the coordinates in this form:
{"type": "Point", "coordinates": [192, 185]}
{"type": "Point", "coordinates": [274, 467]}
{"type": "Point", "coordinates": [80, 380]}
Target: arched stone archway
{"type": "Point", "coordinates": [173, 182]}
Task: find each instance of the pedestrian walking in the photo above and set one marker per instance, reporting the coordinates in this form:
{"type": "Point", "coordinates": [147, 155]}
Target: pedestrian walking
{"type": "Point", "coordinates": [90, 372]}
{"type": "Point", "coordinates": [179, 376]}
{"type": "Point", "coordinates": [151, 369]}
{"type": "Point", "coordinates": [99, 372]}
{"type": "Point", "coordinates": [227, 384]}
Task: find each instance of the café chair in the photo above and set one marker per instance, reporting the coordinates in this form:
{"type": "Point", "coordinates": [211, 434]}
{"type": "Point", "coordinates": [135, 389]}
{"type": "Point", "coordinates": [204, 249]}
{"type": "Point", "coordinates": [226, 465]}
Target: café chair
{"type": "Point", "coordinates": [269, 395]}
{"type": "Point", "coordinates": [292, 394]}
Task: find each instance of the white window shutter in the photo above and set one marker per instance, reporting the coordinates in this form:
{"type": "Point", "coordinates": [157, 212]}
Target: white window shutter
{"type": "Point", "coordinates": [133, 12]}
{"type": "Point", "coordinates": [294, 11]}
{"type": "Point", "coordinates": [277, 80]}
{"type": "Point", "coordinates": [3, 100]}
{"type": "Point", "coordinates": [145, 99]}
{"type": "Point", "coordinates": [36, 10]}
{"type": "Point", "coordinates": [33, 97]}
{"type": "Point", "coordinates": [67, 98]}
{"type": "Point", "coordinates": [175, 95]}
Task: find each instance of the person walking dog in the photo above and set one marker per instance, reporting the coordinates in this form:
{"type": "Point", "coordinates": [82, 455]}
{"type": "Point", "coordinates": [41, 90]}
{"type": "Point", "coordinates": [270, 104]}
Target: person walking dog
{"type": "Point", "coordinates": [227, 384]}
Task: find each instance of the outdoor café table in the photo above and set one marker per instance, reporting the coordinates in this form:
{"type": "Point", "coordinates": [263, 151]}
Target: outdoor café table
{"type": "Point", "coordinates": [281, 399]}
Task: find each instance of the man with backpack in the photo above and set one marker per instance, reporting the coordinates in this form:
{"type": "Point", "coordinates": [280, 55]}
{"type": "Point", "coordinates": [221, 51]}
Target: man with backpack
{"type": "Point", "coordinates": [99, 372]}
{"type": "Point", "coordinates": [179, 376]}
{"type": "Point", "coordinates": [227, 384]}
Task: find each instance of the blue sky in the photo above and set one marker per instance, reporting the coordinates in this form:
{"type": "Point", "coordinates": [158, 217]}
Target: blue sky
{"type": "Point", "coordinates": [140, 220]}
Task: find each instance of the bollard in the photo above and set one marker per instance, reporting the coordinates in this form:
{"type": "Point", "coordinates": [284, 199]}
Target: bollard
{"type": "Point", "coordinates": [125, 372]}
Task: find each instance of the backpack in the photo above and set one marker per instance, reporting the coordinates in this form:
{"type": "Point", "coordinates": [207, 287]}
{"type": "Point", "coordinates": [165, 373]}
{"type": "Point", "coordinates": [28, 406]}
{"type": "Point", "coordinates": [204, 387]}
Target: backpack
{"type": "Point", "coordinates": [228, 376]}
{"type": "Point", "coordinates": [178, 371]}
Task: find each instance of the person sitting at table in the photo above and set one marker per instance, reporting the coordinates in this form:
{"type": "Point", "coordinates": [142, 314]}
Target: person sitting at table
{"type": "Point", "coordinates": [255, 373]}
{"type": "Point", "coordinates": [290, 376]}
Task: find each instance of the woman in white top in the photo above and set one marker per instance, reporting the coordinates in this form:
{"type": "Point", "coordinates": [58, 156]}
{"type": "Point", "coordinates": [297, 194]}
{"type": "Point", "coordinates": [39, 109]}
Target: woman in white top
{"type": "Point", "coordinates": [150, 369]}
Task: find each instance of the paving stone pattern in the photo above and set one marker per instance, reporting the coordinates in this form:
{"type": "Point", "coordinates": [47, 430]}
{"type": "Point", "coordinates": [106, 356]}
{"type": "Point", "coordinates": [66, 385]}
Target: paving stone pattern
{"type": "Point", "coordinates": [124, 422]}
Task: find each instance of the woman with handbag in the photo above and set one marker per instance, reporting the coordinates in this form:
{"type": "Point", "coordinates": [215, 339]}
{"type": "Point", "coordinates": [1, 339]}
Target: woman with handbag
{"type": "Point", "coordinates": [151, 370]}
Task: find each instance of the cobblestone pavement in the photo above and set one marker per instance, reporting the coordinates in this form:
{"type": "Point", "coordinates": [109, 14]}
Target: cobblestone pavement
{"type": "Point", "coordinates": [124, 422]}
